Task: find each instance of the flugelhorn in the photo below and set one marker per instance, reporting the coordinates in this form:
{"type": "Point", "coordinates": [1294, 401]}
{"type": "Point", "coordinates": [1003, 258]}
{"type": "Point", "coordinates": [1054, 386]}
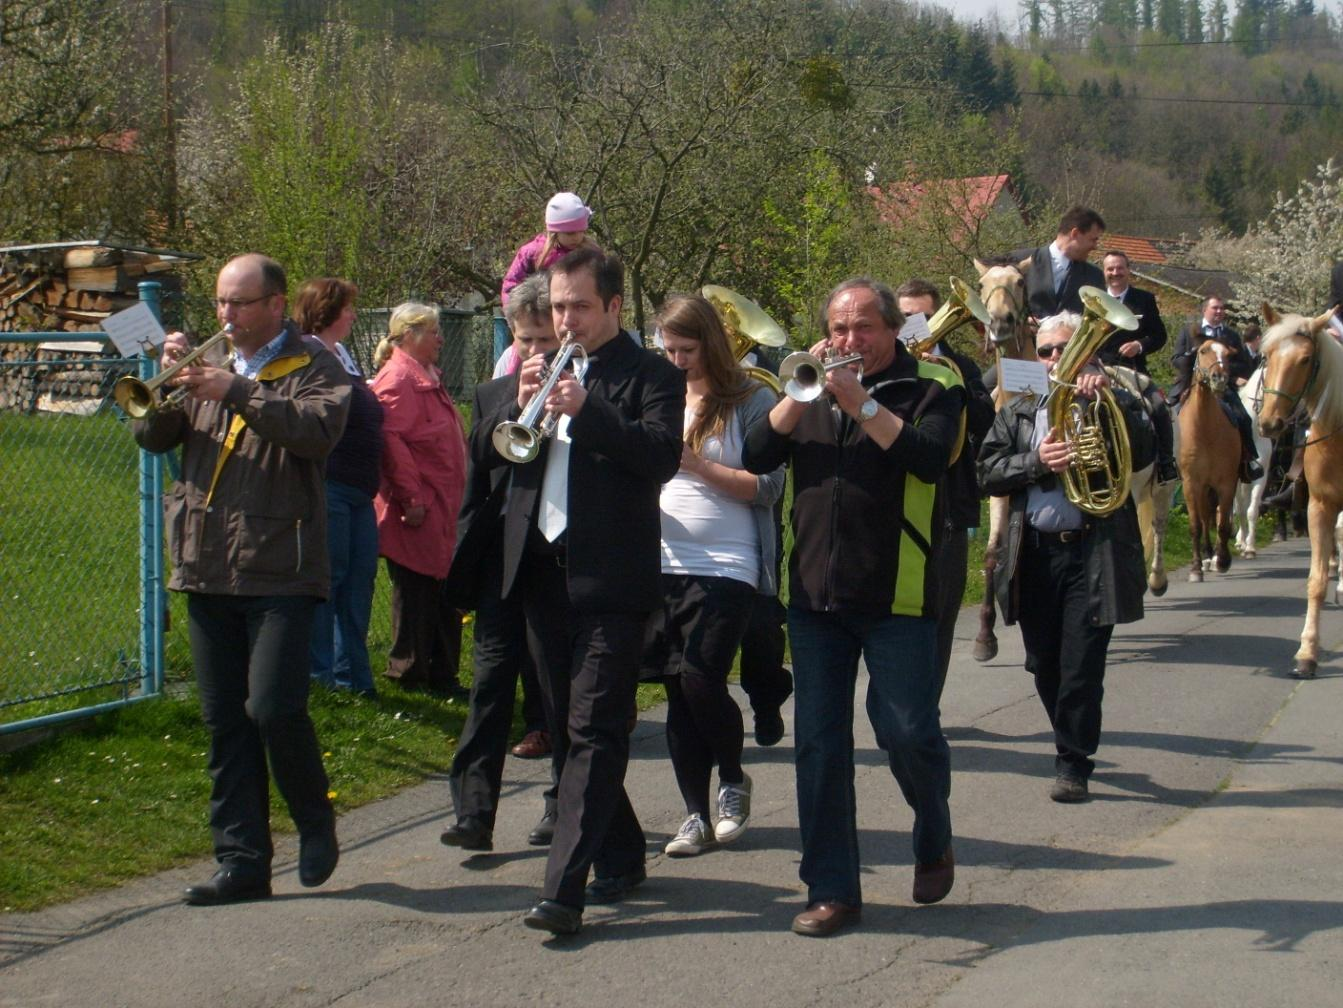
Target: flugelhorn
{"type": "Point", "coordinates": [803, 374]}
{"type": "Point", "coordinates": [1097, 479]}
{"type": "Point", "coordinates": [520, 440]}
{"type": "Point", "coordinates": [138, 398]}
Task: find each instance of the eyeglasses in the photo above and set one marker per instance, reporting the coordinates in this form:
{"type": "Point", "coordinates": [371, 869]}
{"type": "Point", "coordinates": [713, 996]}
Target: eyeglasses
{"type": "Point", "coordinates": [226, 303]}
{"type": "Point", "coordinates": [1049, 349]}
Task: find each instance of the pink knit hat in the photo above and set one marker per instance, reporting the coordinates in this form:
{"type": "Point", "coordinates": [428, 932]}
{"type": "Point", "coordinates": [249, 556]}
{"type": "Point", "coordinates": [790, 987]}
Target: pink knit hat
{"type": "Point", "coordinates": [566, 212]}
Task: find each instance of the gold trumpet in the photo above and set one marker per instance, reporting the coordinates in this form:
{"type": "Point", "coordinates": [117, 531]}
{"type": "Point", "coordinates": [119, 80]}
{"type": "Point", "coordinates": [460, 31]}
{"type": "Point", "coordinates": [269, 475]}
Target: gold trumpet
{"type": "Point", "coordinates": [1097, 479]}
{"type": "Point", "coordinates": [520, 440]}
{"type": "Point", "coordinates": [748, 326]}
{"type": "Point", "coordinates": [803, 374]}
{"type": "Point", "coordinates": [138, 398]}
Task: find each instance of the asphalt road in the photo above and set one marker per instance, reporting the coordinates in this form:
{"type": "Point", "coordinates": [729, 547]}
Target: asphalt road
{"type": "Point", "coordinates": [1207, 869]}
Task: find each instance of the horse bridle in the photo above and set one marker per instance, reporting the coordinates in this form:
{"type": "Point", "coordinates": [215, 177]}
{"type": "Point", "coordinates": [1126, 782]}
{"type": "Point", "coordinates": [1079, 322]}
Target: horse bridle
{"type": "Point", "coordinates": [1296, 401]}
{"type": "Point", "coordinates": [1017, 337]}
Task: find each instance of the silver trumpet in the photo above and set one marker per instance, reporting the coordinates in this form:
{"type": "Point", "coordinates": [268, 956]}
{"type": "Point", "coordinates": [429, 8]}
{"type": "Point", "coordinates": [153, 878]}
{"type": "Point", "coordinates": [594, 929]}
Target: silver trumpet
{"type": "Point", "coordinates": [138, 399]}
{"type": "Point", "coordinates": [519, 440]}
{"type": "Point", "coordinates": [803, 374]}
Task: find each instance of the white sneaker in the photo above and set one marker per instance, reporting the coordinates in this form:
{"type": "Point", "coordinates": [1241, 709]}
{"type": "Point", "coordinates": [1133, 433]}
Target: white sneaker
{"type": "Point", "coordinates": [734, 809]}
{"type": "Point", "coordinates": [694, 837]}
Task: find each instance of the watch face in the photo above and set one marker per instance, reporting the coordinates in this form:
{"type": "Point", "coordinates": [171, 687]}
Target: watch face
{"type": "Point", "coordinates": [868, 410]}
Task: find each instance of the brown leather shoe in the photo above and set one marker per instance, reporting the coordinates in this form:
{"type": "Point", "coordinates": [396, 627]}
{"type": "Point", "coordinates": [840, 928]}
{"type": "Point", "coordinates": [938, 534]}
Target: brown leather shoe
{"type": "Point", "coordinates": [534, 745]}
{"type": "Point", "coordinates": [933, 879]}
{"type": "Point", "coordinates": [820, 920]}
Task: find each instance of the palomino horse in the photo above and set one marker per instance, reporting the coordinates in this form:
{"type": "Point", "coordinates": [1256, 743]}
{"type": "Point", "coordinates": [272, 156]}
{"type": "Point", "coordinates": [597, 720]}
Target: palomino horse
{"type": "Point", "coordinates": [1152, 499]}
{"type": "Point", "coordinates": [1002, 288]}
{"type": "Point", "coordinates": [1250, 496]}
{"type": "Point", "coordinates": [1209, 457]}
{"type": "Point", "coordinates": [1303, 372]}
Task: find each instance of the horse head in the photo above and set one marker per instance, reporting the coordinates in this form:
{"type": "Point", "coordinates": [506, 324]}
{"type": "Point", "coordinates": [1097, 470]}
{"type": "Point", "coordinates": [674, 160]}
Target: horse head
{"type": "Point", "coordinates": [1292, 357]}
{"type": "Point", "coordinates": [1211, 365]}
{"type": "Point", "coordinates": [1002, 288]}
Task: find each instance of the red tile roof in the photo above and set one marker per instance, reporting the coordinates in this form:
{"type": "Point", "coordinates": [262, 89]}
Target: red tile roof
{"type": "Point", "coordinates": [1139, 250]}
{"type": "Point", "coordinates": [971, 198]}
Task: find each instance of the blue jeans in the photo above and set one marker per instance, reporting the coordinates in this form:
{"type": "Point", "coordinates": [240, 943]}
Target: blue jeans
{"type": "Point", "coordinates": [900, 654]}
{"type": "Point", "coordinates": [340, 625]}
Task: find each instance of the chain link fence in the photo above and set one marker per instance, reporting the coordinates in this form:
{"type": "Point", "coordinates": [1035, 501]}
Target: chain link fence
{"type": "Point", "coordinates": [70, 532]}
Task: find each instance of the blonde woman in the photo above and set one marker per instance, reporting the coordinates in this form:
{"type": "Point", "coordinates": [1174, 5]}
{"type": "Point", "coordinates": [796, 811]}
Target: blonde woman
{"type": "Point", "coordinates": [423, 478]}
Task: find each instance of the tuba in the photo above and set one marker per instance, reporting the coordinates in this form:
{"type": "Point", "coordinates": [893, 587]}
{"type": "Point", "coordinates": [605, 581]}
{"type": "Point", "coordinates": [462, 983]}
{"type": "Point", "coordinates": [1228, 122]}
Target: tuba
{"type": "Point", "coordinates": [748, 326]}
{"type": "Point", "coordinates": [1097, 478]}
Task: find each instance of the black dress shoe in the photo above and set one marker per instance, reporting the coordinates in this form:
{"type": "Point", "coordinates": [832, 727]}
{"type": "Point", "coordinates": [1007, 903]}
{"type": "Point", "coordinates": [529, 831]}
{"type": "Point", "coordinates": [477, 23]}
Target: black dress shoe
{"type": "Point", "coordinates": [554, 917]}
{"type": "Point", "coordinates": [1166, 471]}
{"type": "Point", "coordinates": [768, 726]}
{"type": "Point", "coordinates": [228, 885]}
{"type": "Point", "coordinates": [468, 836]}
{"type": "Point", "coordinates": [544, 831]}
{"type": "Point", "coordinates": [317, 857]}
{"type": "Point", "coordinates": [614, 888]}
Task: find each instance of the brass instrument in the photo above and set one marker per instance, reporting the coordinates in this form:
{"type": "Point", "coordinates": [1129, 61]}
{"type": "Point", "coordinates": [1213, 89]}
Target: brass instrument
{"type": "Point", "coordinates": [520, 440]}
{"type": "Point", "coordinates": [963, 305]}
{"type": "Point", "coordinates": [803, 374]}
{"type": "Point", "coordinates": [139, 398]}
{"type": "Point", "coordinates": [1097, 478]}
{"type": "Point", "coordinates": [748, 326]}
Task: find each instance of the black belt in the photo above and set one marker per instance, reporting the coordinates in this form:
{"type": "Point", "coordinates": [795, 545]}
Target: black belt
{"type": "Point", "coordinates": [1036, 537]}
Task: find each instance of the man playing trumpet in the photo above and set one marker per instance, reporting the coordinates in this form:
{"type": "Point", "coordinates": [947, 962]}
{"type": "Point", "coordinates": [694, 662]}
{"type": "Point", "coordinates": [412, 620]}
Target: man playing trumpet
{"type": "Point", "coordinates": [247, 535]}
{"type": "Point", "coordinates": [1067, 576]}
{"type": "Point", "coordinates": [868, 458]}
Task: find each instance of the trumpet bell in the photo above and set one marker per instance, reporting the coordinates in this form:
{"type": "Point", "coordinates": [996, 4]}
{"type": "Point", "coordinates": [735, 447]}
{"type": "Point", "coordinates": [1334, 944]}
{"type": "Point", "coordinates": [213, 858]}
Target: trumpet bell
{"type": "Point", "coordinates": [136, 399]}
{"type": "Point", "coordinates": [803, 376]}
{"type": "Point", "coordinates": [516, 442]}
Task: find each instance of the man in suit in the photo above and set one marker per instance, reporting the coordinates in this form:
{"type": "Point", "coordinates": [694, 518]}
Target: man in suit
{"type": "Point", "coordinates": [1129, 349]}
{"type": "Point", "coordinates": [475, 582]}
{"type": "Point", "coordinates": [1057, 271]}
{"type": "Point", "coordinates": [960, 486]}
{"type": "Point", "coordinates": [582, 542]}
{"type": "Point", "coordinates": [1213, 325]}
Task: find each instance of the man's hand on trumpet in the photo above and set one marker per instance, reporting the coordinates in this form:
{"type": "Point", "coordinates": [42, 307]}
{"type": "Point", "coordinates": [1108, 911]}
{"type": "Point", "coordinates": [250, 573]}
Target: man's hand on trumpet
{"type": "Point", "coordinates": [567, 397]}
{"type": "Point", "coordinates": [204, 382]}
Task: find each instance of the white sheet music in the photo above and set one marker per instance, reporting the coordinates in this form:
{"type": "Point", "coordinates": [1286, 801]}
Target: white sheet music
{"type": "Point", "coordinates": [1023, 376]}
{"type": "Point", "coordinates": [134, 330]}
{"type": "Point", "coordinates": [915, 330]}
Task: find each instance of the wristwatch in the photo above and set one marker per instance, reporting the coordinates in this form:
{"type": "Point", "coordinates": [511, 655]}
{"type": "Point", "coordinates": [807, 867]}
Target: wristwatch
{"type": "Point", "coordinates": [867, 411]}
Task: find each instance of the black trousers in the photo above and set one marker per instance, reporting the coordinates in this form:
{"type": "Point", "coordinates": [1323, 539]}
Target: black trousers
{"type": "Point", "coordinates": [251, 660]}
{"type": "Point", "coordinates": [1064, 651]}
{"type": "Point", "coordinates": [764, 677]}
{"type": "Point", "coordinates": [500, 652]}
{"type": "Point", "coordinates": [426, 632]}
{"type": "Point", "coordinates": [952, 557]}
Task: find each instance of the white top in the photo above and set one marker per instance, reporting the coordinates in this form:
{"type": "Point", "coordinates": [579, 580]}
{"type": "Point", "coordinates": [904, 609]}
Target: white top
{"type": "Point", "coordinates": [706, 532]}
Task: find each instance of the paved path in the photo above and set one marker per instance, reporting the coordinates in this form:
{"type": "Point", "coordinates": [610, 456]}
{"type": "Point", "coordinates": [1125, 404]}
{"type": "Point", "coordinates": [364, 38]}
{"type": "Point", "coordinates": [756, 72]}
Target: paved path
{"type": "Point", "coordinates": [1208, 869]}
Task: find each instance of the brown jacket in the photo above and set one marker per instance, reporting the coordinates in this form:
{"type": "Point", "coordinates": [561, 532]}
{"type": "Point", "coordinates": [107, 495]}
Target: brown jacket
{"type": "Point", "coordinates": [255, 524]}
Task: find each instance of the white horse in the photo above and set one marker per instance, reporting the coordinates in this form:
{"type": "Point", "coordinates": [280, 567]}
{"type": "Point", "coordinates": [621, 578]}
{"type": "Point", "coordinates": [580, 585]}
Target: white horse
{"type": "Point", "coordinates": [1250, 496]}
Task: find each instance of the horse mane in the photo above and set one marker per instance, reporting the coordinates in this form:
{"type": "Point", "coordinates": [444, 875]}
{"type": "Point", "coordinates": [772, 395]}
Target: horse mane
{"type": "Point", "coordinates": [1328, 394]}
{"type": "Point", "coordinates": [1004, 259]}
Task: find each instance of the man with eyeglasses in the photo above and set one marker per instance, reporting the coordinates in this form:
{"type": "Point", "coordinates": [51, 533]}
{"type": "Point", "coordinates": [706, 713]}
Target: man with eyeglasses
{"type": "Point", "coordinates": [1066, 576]}
{"type": "Point", "coordinates": [247, 533]}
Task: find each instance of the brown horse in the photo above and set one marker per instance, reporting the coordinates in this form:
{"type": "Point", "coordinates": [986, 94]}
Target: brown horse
{"type": "Point", "coordinates": [1002, 287]}
{"type": "Point", "coordinates": [1209, 457]}
{"type": "Point", "coordinates": [1303, 373]}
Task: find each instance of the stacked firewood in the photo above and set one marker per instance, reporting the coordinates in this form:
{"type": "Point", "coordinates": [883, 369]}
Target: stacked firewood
{"type": "Point", "coordinates": [68, 289]}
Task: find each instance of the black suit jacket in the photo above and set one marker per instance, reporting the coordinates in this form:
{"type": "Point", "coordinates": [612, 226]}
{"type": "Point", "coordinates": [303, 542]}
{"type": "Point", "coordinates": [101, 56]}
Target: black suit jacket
{"type": "Point", "coordinates": [1151, 332]}
{"type": "Point", "coordinates": [487, 473]}
{"type": "Point", "coordinates": [1041, 300]}
{"type": "Point", "coordinates": [961, 482]}
{"type": "Point", "coordinates": [1186, 349]}
{"type": "Point", "coordinates": [625, 443]}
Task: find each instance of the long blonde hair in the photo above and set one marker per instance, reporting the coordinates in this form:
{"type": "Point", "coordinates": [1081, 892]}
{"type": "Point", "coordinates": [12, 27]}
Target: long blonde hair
{"type": "Point", "coordinates": [405, 316]}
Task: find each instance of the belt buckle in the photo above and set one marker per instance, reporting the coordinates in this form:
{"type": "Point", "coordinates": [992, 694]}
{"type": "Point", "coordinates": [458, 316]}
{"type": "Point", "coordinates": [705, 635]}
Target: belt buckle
{"type": "Point", "coordinates": [1070, 535]}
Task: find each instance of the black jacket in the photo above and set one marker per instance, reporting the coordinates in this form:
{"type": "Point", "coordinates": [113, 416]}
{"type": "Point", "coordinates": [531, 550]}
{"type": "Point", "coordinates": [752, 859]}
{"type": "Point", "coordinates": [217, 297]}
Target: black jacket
{"type": "Point", "coordinates": [1041, 300]}
{"type": "Point", "coordinates": [1008, 465]}
{"type": "Point", "coordinates": [1186, 349]}
{"type": "Point", "coordinates": [1151, 332]}
{"type": "Point", "coordinates": [866, 521]}
{"type": "Point", "coordinates": [626, 442]}
{"type": "Point", "coordinates": [962, 485]}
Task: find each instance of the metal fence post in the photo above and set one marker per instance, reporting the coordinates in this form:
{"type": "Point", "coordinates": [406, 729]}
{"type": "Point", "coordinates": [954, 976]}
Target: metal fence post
{"type": "Point", "coordinates": [152, 596]}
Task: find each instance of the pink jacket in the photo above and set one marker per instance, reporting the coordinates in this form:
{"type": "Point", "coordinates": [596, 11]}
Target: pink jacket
{"type": "Point", "coordinates": [525, 263]}
{"type": "Point", "coordinates": [423, 462]}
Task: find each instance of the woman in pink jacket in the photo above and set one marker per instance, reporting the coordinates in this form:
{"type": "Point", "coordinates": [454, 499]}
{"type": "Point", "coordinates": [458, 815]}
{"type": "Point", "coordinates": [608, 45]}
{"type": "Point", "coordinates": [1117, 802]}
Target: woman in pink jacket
{"type": "Point", "coordinates": [567, 220]}
{"type": "Point", "coordinates": [423, 478]}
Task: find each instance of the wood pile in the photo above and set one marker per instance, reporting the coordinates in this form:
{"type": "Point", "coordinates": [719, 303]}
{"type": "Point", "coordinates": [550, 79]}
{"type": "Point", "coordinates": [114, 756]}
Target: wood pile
{"type": "Point", "coordinates": [69, 288]}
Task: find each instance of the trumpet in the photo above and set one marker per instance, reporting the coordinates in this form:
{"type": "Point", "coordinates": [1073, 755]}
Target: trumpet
{"type": "Point", "coordinates": [803, 374]}
{"type": "Point", "coordinates": [520, 440]}
{"type": "Point", "coordinates": [138, 399]}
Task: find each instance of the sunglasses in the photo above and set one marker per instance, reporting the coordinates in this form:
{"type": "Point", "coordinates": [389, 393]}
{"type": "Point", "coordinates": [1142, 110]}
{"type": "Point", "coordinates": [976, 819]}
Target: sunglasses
{"type": "Point", "coordinates": [1048, 349]}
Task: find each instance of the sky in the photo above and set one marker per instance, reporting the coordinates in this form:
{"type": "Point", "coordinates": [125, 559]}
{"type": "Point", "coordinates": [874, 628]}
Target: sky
{"type": "Point", "coordinates": [972, 10]}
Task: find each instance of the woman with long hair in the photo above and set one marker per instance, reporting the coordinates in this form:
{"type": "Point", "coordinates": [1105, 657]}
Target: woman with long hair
{"type": "Point", "coordinates": [718, 546]}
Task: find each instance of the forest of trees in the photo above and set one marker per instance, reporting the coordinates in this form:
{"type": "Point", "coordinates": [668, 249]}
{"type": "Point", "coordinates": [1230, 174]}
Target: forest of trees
{"type": "Point", "coordinates": [411, 145]}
